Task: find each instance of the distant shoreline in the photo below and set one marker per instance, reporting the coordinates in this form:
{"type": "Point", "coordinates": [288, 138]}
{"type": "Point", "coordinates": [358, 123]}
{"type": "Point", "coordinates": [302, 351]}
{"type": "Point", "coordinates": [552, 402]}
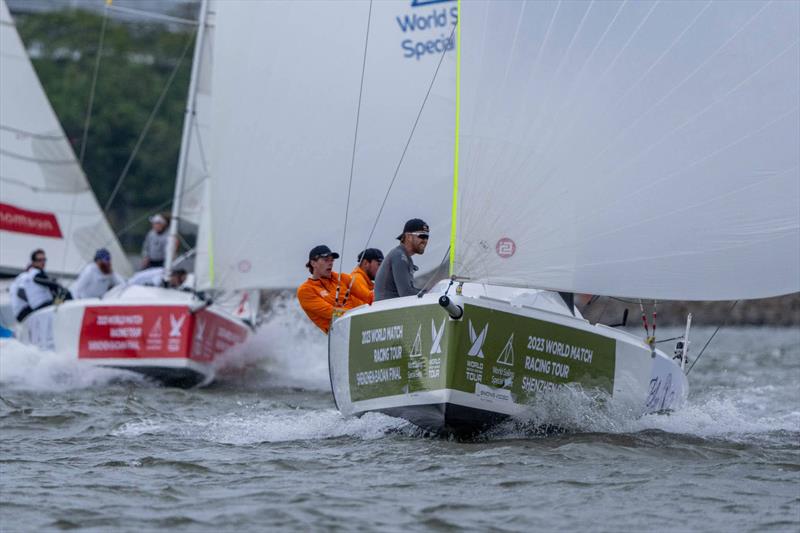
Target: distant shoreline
{"type": "Point", "coordinates": [779, 311]}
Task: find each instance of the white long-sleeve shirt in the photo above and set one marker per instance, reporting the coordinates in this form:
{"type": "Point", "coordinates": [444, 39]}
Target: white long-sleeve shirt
{"type": "Point", "coordinates": [93, 283]}
{"type": "Point", "coordinates": [17, 303]}
{"type": "Point", "coordinates": [37, 294]}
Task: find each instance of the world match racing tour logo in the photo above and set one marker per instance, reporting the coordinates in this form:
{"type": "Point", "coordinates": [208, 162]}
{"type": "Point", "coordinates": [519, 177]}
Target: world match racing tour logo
{"type": "Point", "coordinates": [419, 24]}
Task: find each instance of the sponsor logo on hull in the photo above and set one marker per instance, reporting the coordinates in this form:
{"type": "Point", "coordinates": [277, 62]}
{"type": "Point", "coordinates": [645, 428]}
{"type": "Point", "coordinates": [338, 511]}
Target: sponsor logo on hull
{"type": "Point", "coordinates": [524, 357]}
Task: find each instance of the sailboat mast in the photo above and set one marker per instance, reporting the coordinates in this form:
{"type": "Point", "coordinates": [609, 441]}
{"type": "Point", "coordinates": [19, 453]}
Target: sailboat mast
{"type": "Point", "coordinates": [188, 121]}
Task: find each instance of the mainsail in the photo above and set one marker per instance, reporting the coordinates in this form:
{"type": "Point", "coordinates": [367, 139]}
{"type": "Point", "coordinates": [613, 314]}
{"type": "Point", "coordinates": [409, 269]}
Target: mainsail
{"type": "Point", "coordinates": [45, 198]}
{"type": "Point", "coordinates": [639, 149]}
{"type": "Point", "coordinates": [286, 101]}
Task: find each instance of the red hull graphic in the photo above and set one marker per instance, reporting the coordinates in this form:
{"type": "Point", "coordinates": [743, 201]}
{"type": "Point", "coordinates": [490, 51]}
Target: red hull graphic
{"type": "Point", "coordinates": [134, 332]}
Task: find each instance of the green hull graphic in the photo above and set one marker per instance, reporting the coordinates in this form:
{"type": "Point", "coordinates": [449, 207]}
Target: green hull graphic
{"type": "Point", "coordinates": [507, 356]}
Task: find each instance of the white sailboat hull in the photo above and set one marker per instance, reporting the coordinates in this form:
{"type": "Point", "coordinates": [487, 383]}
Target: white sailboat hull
{"type": "Point", "coordinates": [164, 334]}
{"type": "Point", "coordinates": [406, 357]}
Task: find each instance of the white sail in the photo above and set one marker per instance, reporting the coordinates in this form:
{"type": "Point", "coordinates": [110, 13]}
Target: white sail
{"type": "Point", "coordinates": [45, 199]}
{"type": "Point", "coordinates": [198, 165]}
{"type": "Point", "coordinates": [285, 107]}
{"type": "Point", "coordinates": [640, 149]}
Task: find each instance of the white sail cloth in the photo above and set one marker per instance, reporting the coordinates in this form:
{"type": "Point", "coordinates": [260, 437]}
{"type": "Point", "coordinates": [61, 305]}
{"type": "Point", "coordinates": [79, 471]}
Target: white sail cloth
{"type": "Point", "coordinates": [285, 107]}
{"type": "Point", "coordinates": [640, 149]}
{"type": "Point", "coordinates": [198, 164]}
{"type": "Point", "coordinates": [45, 199]}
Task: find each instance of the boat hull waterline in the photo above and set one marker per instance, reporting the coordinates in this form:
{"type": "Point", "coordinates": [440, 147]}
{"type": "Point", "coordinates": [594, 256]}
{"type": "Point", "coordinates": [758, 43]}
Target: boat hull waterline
{"type": "Point", "coordinates": [408, 358]}
{"type": "Point", "coordinates": [168, 341]}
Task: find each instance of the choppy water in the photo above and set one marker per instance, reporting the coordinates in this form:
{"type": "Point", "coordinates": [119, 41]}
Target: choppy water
{"type": "Point", "coordinates": [97, 450]}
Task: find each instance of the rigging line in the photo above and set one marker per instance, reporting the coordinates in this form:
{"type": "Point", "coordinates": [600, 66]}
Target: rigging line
{"type": "Point", "coordinates": [408, 142]}
{"type": "Point", "coordinates": [712, 337]}
{"type": "Point", "coordinates": [157, 208]}
{"type": "Point", "coordinates": [433, 277]}
{"type": "Point", "coordinates": [149, 122]}
{"type": "Point", "coordinates": [93, 88]}
{"type": "Point", "coordinates": [353, 155]}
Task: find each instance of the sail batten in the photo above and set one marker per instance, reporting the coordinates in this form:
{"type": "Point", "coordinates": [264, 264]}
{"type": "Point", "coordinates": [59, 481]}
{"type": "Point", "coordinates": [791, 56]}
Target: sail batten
{"type": "Point", "coordinates": [647, 150]}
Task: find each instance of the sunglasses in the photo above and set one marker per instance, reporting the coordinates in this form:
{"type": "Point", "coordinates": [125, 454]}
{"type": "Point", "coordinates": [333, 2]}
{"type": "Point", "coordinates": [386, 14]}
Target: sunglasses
{"type": "Point", "coordinates": [40, 260]}
{"type": "Point", "coordinates": [421, 234]}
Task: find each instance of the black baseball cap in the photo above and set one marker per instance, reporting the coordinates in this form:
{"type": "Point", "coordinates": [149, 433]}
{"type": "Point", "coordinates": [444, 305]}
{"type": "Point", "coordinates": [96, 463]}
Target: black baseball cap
{"type": "Point", "coordinates": [370, 254]}
{"type": "Point", "coordinates": [415, 224]}
{"type": "Point", "coordinates": [320, 251]}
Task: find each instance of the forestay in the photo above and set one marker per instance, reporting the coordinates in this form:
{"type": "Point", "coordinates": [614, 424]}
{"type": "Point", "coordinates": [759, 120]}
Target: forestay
{"type": "Point", "coordinates": [285, 106]}
{"type": "Point", "coordinates": [639, 149]}
{"type": "Point", "coordinates": [45, 199]}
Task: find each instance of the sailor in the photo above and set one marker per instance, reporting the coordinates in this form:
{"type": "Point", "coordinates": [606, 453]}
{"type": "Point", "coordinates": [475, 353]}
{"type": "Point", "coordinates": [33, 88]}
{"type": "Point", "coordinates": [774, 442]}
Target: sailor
{"type": "Point", "coordinates": [395, 277]}
{"type": "Point", "coordinates": [318, 294]}
{"type": "Point", "coordinates": [177, 278]}
{"type": "Point", "coordinates": [40, 290]}
{"type": "Point", "coordinates": [149, 277]}
{"type": "Point", "coordinates": [96, 278]}
{"type": "Point", "coordinates": [364, 274]}
{"type": "Point", "coordinates": [154, 249]}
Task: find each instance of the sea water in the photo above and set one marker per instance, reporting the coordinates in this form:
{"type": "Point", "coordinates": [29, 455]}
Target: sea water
{"type": "Point", "coordinates": [97, 449]}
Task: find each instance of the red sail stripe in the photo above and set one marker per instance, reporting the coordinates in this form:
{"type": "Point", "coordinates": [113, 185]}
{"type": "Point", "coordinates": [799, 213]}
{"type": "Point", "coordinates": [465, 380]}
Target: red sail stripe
{"type": "Point", "coordinates": [30, 222]}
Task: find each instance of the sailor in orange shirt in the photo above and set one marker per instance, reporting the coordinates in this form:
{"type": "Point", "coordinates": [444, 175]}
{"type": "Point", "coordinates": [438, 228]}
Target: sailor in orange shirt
{"type": "Point", "coordinates": [364, 274]}
{"type": "Point", "coordinates": [317, 296]}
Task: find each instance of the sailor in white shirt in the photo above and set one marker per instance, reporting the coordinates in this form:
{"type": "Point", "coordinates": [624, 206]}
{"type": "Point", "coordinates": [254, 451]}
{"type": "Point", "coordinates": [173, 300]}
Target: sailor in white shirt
{"type": "Point", "coordinates": [149, 277]}
{"type": "Point", "coordinates": [96, 278]}
{"type": "Point", "coordinates": [39, 289]}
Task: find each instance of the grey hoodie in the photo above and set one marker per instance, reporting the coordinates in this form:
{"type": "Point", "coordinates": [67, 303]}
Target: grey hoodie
{"type": "Point", "coordinates": [395, 277]}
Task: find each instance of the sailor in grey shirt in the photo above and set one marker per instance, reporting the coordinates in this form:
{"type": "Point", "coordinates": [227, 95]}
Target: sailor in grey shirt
{"type": "Point", "coordinates": [154, 249]}
{"type": "Point", "coordinates": [395, 277]}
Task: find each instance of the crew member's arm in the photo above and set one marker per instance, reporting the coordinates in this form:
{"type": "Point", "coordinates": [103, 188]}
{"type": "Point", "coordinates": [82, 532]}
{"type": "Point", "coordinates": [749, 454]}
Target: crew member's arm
{"type": "Point", "coordinates": [401, 272]}
{"type": "Point", "coordinates": [360, 290]}
{"type": "Point", "coordinates": [42, 279]}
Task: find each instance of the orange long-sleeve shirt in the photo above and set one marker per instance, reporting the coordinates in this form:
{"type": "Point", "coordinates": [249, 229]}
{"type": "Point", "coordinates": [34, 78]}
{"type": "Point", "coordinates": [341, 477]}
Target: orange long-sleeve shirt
{"type": "Point", "coordinates": [317, 297]}
{"type": "Point", "coordinates": [363, 287]}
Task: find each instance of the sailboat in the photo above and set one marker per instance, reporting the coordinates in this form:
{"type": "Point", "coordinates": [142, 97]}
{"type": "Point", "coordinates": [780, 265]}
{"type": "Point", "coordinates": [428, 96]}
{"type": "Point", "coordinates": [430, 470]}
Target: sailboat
{"type": "Point", "coordinates": [640, 150]}
{"type": "Point", "coordinates": [45, 198]}
{"type": "Point", "coordinates": [176, 337]}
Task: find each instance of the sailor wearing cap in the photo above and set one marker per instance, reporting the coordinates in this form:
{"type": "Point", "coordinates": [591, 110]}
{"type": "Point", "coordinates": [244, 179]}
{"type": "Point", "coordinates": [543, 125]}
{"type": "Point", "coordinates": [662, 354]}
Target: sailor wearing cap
{"type": "Point", "coordinates": [369, 261]}
{"type": "Point", "coordinates": [96, 278]}
{"type": "Point", "coordinates": [395, 277]}
{"type": "Point", "coordinates": [154, 249]}
{"type": "Point", "coordinates": [325, 293]}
